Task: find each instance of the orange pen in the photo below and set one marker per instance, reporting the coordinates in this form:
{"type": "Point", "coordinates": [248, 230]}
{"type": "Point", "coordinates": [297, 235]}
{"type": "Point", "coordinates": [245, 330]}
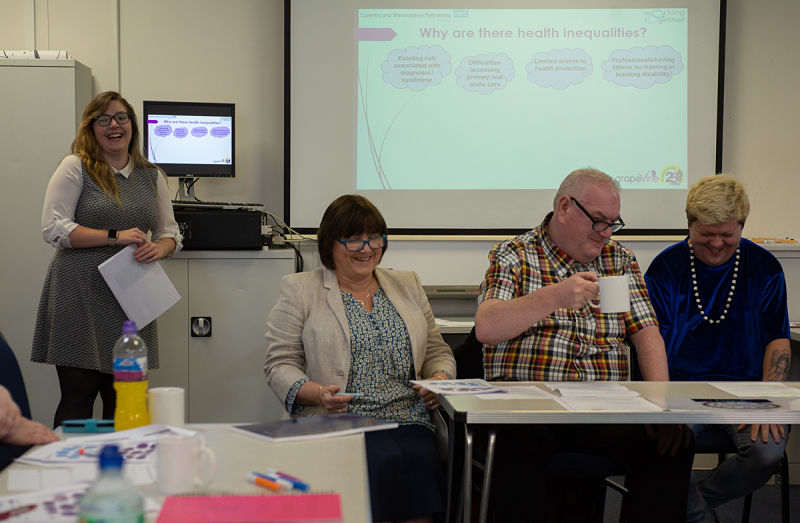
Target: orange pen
{"type": "Point", "coordinates": [255, 479]}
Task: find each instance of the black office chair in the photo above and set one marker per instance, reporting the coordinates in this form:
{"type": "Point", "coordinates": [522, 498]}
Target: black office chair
{"type": "Point", "coordinates": [717, 442]}
{"type": "Point", "coordinates": [562, 467]}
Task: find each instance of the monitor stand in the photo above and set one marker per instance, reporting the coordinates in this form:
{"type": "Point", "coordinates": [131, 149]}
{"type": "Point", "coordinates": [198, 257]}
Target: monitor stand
{"type": "Point", "coordinates": [186, 188]}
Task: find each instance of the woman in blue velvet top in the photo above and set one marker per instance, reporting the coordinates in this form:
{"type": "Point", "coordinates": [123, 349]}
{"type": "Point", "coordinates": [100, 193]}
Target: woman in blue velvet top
{"type": "Point", "coordinates": [721, 305]}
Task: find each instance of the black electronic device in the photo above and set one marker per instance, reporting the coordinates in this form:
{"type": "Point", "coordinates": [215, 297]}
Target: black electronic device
{"type": "Point", "coordinates": [219, 229]}
{"type": "Point", "coordinates": [190, 140]}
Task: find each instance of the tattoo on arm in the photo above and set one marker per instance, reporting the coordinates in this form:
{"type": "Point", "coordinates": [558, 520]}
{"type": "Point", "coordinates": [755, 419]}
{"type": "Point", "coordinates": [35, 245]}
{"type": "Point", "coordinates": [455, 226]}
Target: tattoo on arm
{"type": "Point", "coordinates": [778, 367]}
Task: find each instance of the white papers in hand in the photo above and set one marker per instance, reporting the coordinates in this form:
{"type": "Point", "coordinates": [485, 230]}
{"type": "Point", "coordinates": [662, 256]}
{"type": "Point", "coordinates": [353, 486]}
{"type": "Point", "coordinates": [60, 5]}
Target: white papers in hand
{"type": "Point", "coordinates": [143, 290]}
{"type": "Point", "coordinates": [462, 386]}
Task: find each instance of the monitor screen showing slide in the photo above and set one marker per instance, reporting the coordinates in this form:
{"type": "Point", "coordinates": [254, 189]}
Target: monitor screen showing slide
{"type": "Point", "coordinates": [468, 118]}
{"type": "Point", "coordinates": [190, 139]}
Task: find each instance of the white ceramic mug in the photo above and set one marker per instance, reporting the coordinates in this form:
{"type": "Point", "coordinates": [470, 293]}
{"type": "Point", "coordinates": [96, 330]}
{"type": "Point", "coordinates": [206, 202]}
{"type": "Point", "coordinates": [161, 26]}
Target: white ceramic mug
{"type": "Point", "coordinates": [166, 406]}
{"type": "Point", "coordinates": [615, 294]}
{"type": "Point", "coordinates": [183, 463]}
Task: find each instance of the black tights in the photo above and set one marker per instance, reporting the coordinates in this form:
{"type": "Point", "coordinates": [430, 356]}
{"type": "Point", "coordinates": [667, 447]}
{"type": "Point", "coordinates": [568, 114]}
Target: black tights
{"type": "Point", "coordinates": [79, 388]}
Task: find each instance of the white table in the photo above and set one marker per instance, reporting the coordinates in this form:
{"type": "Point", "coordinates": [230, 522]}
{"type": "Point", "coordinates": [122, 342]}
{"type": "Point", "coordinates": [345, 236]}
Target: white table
{"type": "Point", "coordinates": [468, 412]}
{"type": "Point", "coordinates": [329, 465]}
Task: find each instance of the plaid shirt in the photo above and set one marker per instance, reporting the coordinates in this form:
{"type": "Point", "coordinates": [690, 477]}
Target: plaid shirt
{"type": "Point", "coordinates": [567, 345]}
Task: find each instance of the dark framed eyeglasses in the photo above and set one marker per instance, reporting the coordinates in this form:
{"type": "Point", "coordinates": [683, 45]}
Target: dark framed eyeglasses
{"type": "Point", "coordinates": [355, 245]}
{"type": "Point", "coordinates": [104, 120]}
{"type": "Point", "coordinates": [600, 225]}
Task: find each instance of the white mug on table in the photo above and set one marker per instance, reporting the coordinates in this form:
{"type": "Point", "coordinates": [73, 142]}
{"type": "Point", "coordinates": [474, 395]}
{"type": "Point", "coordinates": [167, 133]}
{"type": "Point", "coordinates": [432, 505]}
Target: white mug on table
{"type": "Point", "coordinates": [183, 463]}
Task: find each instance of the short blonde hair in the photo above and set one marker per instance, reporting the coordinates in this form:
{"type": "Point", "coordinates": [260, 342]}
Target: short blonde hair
{"type": "Point", "coordinates": [717, 199]}
{"type": "Point", "coordinates": [577, 181]}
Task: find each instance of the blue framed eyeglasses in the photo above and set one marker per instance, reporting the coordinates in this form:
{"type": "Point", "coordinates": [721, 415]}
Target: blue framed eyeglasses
{"type": "Point", "coordinates": [355, 245]}
{"type": "Point", "coordinates": [599, 225]}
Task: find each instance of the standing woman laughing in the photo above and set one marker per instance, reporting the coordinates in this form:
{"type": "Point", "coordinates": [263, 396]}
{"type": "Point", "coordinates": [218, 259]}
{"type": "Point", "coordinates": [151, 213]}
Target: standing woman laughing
{"type": "Point", "coordinates": [101, 198]}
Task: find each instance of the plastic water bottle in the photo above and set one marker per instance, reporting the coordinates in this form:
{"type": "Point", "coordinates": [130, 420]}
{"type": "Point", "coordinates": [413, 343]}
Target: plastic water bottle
{"type": "Point", "coordinates": [130, 379]}
{"type": "Point", "coordinates": [111, 499]}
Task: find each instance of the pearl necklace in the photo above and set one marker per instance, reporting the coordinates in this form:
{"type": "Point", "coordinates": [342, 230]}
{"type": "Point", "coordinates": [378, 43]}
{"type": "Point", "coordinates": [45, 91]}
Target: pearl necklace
{"type": "Point", "coordinates": [697, 293]}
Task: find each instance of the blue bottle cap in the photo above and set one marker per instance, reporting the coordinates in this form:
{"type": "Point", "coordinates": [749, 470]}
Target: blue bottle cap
{"type": "Point", "coordinates": [129, 327]}
{"type": "Point", "coordinates": [110, 457]}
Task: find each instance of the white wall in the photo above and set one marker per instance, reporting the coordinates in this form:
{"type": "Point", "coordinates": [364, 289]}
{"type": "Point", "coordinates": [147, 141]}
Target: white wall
{"type": "Point", "coordinates": [762, 108]}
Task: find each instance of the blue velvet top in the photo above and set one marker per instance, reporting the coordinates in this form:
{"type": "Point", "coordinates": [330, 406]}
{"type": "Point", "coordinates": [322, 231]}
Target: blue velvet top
{"type": "Point", "coordinates": [734, 348]}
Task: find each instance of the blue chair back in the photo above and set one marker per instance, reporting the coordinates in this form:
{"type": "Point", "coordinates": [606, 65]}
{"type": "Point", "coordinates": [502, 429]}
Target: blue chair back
{"type": "Point", "coordinates": [11, 377]}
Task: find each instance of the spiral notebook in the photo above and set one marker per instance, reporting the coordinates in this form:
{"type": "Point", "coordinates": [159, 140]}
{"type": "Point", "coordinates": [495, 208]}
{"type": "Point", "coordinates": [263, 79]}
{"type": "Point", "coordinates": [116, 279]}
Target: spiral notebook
{"type": "Point", "coordinates": [311, 427]}
{"type": "Point", "coordinates": [251, 509]}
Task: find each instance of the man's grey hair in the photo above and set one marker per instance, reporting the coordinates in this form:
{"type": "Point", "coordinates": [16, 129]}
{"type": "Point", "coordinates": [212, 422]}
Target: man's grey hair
{"type": "Point", "coordinates": [577, 181]}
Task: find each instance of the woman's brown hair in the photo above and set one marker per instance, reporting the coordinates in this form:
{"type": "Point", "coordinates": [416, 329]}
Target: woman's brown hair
{"type": "Point", "coordinates": [346, 216]}
{"type": "Point", "coordinates": [85, 145]}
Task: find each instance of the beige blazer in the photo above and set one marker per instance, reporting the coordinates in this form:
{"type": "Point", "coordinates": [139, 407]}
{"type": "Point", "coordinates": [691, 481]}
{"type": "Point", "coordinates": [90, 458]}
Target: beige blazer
{"type": "Point", "coordinates": [308, 334]}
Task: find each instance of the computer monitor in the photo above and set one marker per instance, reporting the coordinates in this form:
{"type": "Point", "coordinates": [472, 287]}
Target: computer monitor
{"type": "Point", "coordinates": [190, 140]}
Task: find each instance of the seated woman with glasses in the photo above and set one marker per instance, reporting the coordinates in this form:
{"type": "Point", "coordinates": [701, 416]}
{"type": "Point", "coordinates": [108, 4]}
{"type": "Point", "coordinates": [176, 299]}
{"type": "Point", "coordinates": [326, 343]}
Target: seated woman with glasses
{"type": "Point", "coordinates": [101, 198]}
{"type": "Point", "coordinates": [348, 337]}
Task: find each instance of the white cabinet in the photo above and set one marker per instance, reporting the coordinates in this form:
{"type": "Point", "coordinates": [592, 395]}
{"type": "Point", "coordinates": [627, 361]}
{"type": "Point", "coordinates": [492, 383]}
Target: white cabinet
{"type": "Point", "coordinates": [223, 373]}
{"type": "Point", "coordinates": [42, 103]}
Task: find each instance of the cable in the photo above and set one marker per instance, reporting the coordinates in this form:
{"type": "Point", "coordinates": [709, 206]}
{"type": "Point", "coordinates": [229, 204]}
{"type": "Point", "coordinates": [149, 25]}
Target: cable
{"type": "Point", "coordinates": [299, 262]}
{"type": "Point", "coordinates": [298, 258]}
{"type": "Point", "coordinates": [283, 225]}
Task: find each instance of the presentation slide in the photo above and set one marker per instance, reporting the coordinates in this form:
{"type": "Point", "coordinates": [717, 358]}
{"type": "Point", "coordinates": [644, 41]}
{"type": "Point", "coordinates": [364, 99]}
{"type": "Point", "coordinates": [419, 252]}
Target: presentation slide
{"type": "Point", "coordinates": [466, 118]}
{"type": "Point", "coordinates": [465, 98]}
{"type": "Point", "coordinates": [181, 139]}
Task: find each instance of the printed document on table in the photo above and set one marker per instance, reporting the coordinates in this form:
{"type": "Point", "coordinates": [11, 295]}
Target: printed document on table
{"type": "Point", "coordinates": [756, 389]}
{"type": "Point", "coordinates": [602, 389]}
{"type": "Point", "coordinates": [143, 290]}
{"type": "Point", "coordinates": [519, 392]}
{"type": "Point", "coordinates": [585, 403]}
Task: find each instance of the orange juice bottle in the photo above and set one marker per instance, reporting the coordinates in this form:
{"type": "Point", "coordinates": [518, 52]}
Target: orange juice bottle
{"type": "Point", "coordinates": [130, 379]}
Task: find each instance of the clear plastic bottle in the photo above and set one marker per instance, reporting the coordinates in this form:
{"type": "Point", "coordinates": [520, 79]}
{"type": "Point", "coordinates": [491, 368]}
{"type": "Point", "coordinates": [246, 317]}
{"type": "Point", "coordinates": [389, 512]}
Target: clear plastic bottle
{"type": "Point", "coordinates": [111, 499]}
{"type": "Point", "coordinates": [130, 379]}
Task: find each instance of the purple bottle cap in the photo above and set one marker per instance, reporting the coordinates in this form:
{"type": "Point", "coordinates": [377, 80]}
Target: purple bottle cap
{"type": "Point", "coordinates": [129, 327]}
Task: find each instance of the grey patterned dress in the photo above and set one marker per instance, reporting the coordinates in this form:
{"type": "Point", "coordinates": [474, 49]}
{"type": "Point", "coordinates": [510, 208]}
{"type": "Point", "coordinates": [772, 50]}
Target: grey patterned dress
{"type": "Point", "coordinates": [79, 320]}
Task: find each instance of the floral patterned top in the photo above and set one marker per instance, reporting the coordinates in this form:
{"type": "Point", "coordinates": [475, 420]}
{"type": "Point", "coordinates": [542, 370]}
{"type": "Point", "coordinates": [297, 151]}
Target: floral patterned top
{"type": "Point", "coordinates": [381, 365]}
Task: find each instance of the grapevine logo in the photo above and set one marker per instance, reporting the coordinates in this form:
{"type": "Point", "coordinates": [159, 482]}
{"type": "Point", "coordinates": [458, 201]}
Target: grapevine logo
{"type": "Point", "coordinates": [672, 175]}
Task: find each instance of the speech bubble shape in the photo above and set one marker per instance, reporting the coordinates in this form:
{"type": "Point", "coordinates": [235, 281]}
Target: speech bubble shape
{"type": "Point", "coordinates": [199, 132]}
{"type": "Point", "coordinates": [416, 68]}
{"type": "Point", "coordinates": [485, 73]}
{"type": "Point", "coordinates": [162, 130]}
{"type": "Point", "coordinates": [180, 132]}
{"type": "Point", "coordinates": [559, 68]}
{"type": "Point", "coordinates": [220, 132]}
{"type": "Point", "coordinates": [642, 67]}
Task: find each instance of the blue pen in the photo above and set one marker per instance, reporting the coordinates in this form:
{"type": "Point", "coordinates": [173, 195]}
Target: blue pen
{"type": "Point", "coordinates": [354, 394]}
{"type": "Point", "coordinates": [296, 483]}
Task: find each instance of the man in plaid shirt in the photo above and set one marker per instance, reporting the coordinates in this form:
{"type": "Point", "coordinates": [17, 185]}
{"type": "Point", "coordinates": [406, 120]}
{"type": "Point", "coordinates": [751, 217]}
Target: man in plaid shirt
{"type": "Point", "coordinates": [536, 324]}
